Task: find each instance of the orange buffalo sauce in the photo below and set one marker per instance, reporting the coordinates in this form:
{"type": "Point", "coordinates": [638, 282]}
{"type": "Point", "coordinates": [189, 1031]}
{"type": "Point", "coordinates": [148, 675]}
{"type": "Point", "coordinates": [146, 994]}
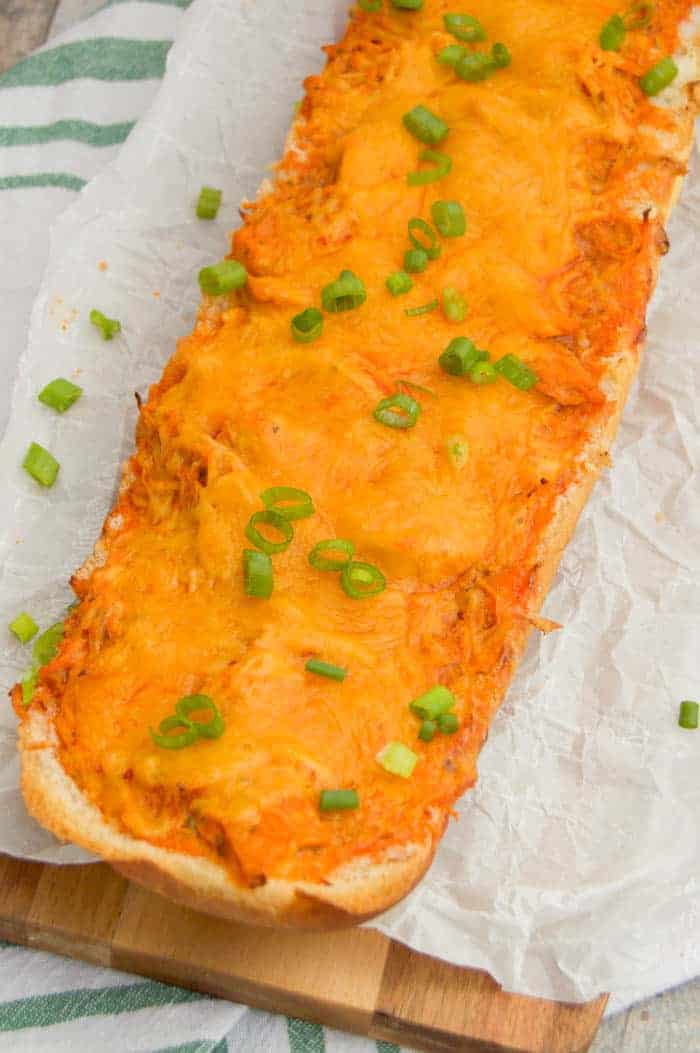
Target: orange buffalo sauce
{"type": "Point", "coordinates": [557, 162]}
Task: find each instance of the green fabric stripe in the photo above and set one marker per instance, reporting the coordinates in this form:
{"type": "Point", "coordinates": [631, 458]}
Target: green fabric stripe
{"type": "Point", "coordinates": [76, 131]}
{"type": "Point", "coordinates": [102, 58]}
{"type": "Point", "coordinates": [197, 1047]}
{"type": "Point", "coordinates": [387, 1047]}
{"type": "Point", "coordinates": [62, 179]}
{"type": "Point", "coordinates": [44, 1010]}
{"type": "Point", "coordinates": [305, 1037]}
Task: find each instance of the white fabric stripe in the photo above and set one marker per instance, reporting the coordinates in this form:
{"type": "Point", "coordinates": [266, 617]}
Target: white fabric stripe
{"type": "Point", "coordinates": [77, 99]}
{"type": "Point", "coordinates": [25, 973]}
{"type": "Point", "coordinates": [159, 22]}
{"type": "Point", "coordinates": [64, 156]}
{"type": "Point", "coordinates": [139, 1032]}
{"type": "Point", "coordinates": [340, 1042]}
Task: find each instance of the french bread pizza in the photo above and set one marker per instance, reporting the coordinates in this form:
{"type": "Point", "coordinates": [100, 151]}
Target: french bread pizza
{"type": "Point", "coordinates": [354, 480]}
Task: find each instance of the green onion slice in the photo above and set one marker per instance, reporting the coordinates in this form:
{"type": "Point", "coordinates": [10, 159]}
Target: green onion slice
{"type": "Point", "coordinates": [448, 217]}
{"type": "Point", "coordinates": [257, 573]}
{"type": "Point", "coordinates": [612, 34]}
{"type": "Point", "coordinates": [344, 294]}
{"type": "Point", "coordinates": [288, 501]}
{"type": "Point", "coordinates": [46, 646]}
{"type": "Point", "coordinates": [424, 308]}
{"type": "Point", "coordinates": [515, 371]}
{"type": "Point", "coordinates": [398, 411]}
{"type": "Point", "coordinates": [427, 730]}
{"type": "Point", "coordinates": [370, 6]}
{"type": "Point", "coordinates": [453, 304]}
{"type": "Point", "coordinates": [333, 672]}
{"type": "Point", "coordinates": [475, 66]}
{"type": "Point", "coordinates": [360, 580]}
{"type": "Point", "coordinates": [429, 243]}
{"type": "Point", "coordinates": [464, 27]}
{"type": "Point", "coordinates": [208, 202]}
{"type": "Point", "coordinates": [320, 561]}
{"type": "Point", "coordinates": [208, 729]}
{"type": "Point", "coordinates": [278, 522]}
{"type": "Point", "coordinates": [399, 283]}
{"type": "Point", "coordinates": [441, 166]}
{"type": "Point", "coordinates": [659, 76]}
{"type": "Point", "coordinates": [41, 465]}
{"type": "Point", "coordinates": [397, 759]}
{"type": "Point", "coordinates": [501, 56]}
{"type": "Point", "coordinates": [415, 260]}
{"type": "Point", "coordinates": [450, 55]}
{"type": "Point", "coordinates": [307, 326]}
{"type": "Point", "coordinates": [458, 451]}
{"type": "Point", "coordinates": [433, 703]}
{"type": "Point", "coordinates": [60, 394]}
{"type": "Point", "coordinates": [167, 741]}
{"type": "Point", "coordinates": [425, 125]}
{"type": "Point", "coordinates": [338, 800]}
{"type": "Point", "coordinates": [483, 373]}
{"type": "Point", "coordinates": [29, 683]}
{"type": "Point", "coordinates": [460, 356]}
{"type": "Point", "coordinates": [448, 723]}
{"type": "Point", "coordinates": [24, 627]}
{"type": "Point", "coordinates": [688, 715]}
{"type": "Point", "coordinates": [222, 277]}
{"type": "Point", "coordinates": [109, 327]}
{"type": "Point", "coordinates": [407, 5]}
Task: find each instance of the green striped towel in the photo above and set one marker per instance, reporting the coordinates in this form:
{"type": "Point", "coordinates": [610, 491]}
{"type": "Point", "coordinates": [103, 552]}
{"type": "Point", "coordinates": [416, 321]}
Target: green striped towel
{"type": "Point", "coordinates": [64, 111]}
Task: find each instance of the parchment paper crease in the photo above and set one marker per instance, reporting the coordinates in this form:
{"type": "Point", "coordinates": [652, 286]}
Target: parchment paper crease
{"type": "Point", "coordinates": [574, 867]}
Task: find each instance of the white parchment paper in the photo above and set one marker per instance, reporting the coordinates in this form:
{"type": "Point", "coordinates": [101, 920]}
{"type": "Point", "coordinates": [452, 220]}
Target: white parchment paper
{"type": "Point", "coordinates": [574, 866]}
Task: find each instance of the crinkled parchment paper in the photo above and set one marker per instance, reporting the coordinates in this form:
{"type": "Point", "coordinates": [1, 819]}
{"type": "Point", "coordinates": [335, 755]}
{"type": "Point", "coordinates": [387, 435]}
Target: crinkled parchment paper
{"type": "Point", "coordinates": [574, 865]}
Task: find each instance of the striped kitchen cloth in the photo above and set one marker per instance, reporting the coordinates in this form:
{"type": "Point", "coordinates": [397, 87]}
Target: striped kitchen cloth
{"type": "Point", "coordinates": [64, 111]}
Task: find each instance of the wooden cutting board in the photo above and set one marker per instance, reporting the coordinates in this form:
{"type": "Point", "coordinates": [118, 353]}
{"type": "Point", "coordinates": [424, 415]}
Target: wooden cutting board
{"type": "Point", "coordinates": [357, 980]}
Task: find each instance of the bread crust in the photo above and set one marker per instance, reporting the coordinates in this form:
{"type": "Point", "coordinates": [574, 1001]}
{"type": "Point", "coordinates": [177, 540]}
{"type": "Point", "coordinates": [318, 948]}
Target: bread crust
{"type": "Point", "coordinates": [355, 892]}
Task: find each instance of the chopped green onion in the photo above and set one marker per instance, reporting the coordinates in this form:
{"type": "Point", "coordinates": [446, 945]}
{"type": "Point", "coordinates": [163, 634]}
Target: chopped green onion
{"type": "Point", "coordinates": [431, 246]}
{"type": "Point", "coordinates": [450, 55]}
{"type": "Point", "coordinates": [24, 627]}
{"type": "Point", "coordinates": [475, 66]}
{"type": "Point", "coordinates": [433, 703]}
{"type": "Point", "coordinates": [415, 387]}
{"type": "Point", "coordinates": [659, 76]}
{"type": "Point", "coordinates": [397, 759]}
{"type": "Point", "coordinates": [278, 522]}
{"type": "Point", "coordinates": [209, 729]}
{"type": "Point", "coordinates": [360, 580]}
{"type": "Point", "coordinates": [464, 27]}
{"type": "Point", "coordinates": [344, 294]}
{"type": "Point", "coordinates": [458, 451]}
{"type": "Point", "coordinates": [187, 737]}
{"type": "Point", "coordinates": [448, 217]}
{"type": "Point", "coordinates": [638, 16]}
{"type": "Point", "coordinates": [415, 260]}
{"type": "Point", "coordinates": [338, 800]}
{"type": "Point", "coordinates": [208, 202]}
{"type": "Point", "coordinates": [407, 5]}
{"type": "Point", "coordinates": [688, 715]}
{"type": "Point", "coordinates": [46, 646]}
{"type": "Point", "coordinates": [308, 325]}
{"type": "Point", "coordinates": [460, 356]}
{"type": "Point", "coordinates": [40, 464]}
{"type": "Point", "coordinates": [333, 672]}
{"type": "Point", "coordinates": [109, 327]}
{"type": "Point", "coordinates": [515, 371]}
{"type": "Point", "coordinates": [370, 6]}
{"type": "Point", "coordinates": [424, 308]}
{"type": "Point", "coordinates": [276, 498]}
{"type": "Point", "coordinates": [257, 572]}
{"type": "Point", "coordinates": [222, 277]}
{"type": "Point", "coordinates": [442, 166]}
{"type": "Point", "coordinates": [319, 561]}
{"type": "Point", "coordinates": [425, 125]}
{"type": "Point", "coordinates": [453, 304]}
{"type": "Point", "coordinates": [29, 683]}
{"type": "Point", "coordinates": [60, 394]}
{"type": "Point", "coordinates": [612, 34]}
{"type": "Point", "coordinates": [427, 730]}
{"type": "Point", "coordinates": [397, 411]}
{"type": "Point", "coordinates": [399, 283]}
{"type": "Point", "coordinates": [501, 56]}
{"type": "Point", "coordinates": [483, 373]}
{"type": "Point", "coordinates": [448, 723]}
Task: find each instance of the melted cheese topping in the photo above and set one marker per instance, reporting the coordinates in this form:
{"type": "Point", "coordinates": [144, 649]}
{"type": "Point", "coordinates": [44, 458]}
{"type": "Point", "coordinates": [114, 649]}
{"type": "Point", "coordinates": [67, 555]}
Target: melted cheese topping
{"type": "Point", "coordinates": [558, 162]}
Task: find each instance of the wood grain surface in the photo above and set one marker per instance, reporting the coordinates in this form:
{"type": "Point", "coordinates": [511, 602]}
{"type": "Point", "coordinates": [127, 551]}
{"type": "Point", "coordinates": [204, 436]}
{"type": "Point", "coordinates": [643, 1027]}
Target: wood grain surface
{"type": "Point", "coordinates": [357, 980]}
